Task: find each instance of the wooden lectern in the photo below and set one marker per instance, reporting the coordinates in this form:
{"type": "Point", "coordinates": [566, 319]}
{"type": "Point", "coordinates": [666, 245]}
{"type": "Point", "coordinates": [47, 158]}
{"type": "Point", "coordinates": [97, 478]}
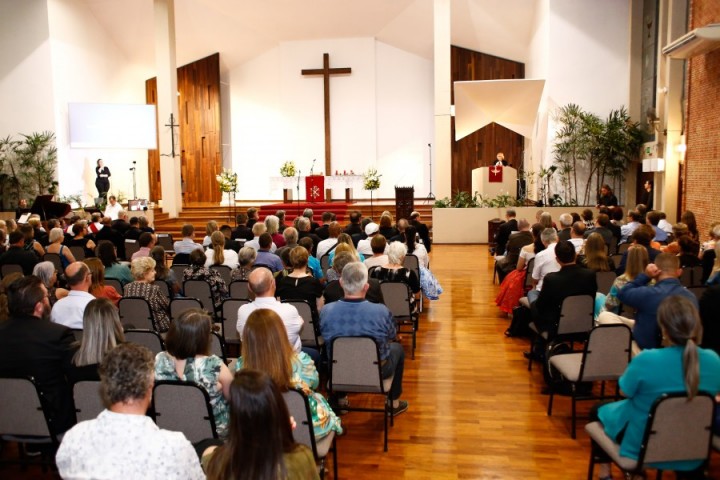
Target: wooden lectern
{"type": "Point", "coordinates": [493, 181]}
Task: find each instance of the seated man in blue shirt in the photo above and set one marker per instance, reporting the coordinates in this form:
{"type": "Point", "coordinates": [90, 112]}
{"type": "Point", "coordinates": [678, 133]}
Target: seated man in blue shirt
{"type": "Point", "coordinates": [646, 299]}
{"type": "Point", "coordinates": [355, 316]}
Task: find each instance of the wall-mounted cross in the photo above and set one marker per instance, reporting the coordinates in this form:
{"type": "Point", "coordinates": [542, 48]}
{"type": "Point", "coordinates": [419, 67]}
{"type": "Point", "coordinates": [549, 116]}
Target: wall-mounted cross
{"type": "Point", "coordinates": [326, 71]}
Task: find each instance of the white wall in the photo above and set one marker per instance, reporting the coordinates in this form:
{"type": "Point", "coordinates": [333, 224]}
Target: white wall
{"type": "Point", "coordinates": [89, 67]}
{"type": "Point", "coordinates": [26, 97]}
{"type": "Point", "coordinates": [380, 114]}
{"type": "Point", "coordinates": [582, 48]}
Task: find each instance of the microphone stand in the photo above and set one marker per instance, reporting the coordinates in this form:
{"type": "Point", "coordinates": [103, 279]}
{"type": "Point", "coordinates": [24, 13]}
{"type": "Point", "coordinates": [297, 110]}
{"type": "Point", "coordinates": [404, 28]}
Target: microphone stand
{"type": "Point", "coordinates": [431, 196]}
{"type": "Point", "coordinates": [298, 191]}
{"type": "Point", "coordinates": [133, 169]}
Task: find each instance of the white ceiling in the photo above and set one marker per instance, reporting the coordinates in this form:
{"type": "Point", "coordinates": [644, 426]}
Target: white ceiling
{"type": "Point", "coordinates": [242, 29]}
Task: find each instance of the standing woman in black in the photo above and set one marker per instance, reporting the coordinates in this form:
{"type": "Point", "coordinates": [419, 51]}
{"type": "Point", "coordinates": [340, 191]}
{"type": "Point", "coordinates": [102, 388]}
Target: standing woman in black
{"type": "Point", "coordinates": [102, 182]}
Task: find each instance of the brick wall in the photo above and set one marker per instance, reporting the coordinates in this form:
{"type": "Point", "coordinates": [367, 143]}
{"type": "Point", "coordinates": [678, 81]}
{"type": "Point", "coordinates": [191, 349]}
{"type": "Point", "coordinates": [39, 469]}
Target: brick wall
{"type": "Point", "coordinates": [702, 161]}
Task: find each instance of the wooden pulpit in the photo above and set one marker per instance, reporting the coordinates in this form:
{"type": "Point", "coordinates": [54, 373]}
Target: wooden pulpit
{"type": "Point", "coordinates": [404, 202]}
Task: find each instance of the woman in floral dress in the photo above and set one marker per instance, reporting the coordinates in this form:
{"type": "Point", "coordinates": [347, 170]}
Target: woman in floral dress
{"type": "Point", "coordinates": [198, 271]}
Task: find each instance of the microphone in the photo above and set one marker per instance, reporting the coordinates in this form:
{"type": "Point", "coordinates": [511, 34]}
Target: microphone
{"type": "Point", "coordinates": [313, 167]}
{"type": "Point", "coordinates": [429, 144]}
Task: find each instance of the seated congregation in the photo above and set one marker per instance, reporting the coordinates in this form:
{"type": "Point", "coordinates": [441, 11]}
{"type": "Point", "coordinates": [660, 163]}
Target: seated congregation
{"type": "Point", "coordinates": [626, 298]}
{"type": "Point", "coordinates": [78, 307]}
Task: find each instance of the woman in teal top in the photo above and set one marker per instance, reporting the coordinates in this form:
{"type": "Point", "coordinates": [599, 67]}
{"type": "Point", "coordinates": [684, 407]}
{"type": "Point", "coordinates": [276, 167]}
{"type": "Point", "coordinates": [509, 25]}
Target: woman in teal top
{"type": "Point", "coordinates": [679, 367]}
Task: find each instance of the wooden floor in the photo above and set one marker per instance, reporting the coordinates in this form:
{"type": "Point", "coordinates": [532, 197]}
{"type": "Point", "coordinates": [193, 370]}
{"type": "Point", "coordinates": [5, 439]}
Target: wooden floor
{"type": "Point", "coordinates": [475, 411]}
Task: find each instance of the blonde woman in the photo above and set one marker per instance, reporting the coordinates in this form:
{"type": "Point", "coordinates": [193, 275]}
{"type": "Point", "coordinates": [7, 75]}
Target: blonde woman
{"type": "Point", "coordinates": [56, 237]}
{"type": "Point", "coordinates": [210, 228]}
{"type": "Point", "coordinates": [595, 255]}
{"type": "Point", "coordinates": [143, 271]}
{"type": "Point", "coordinates": [102, 332]}
{"type": "Point", "coordinates": [218, 255]}
{"type": "Point", "coordinates": [98, 289]}
{"type": "Point", "coordinates": [346, 239]}
{"type": "Point", "coordinates": [637, 260]}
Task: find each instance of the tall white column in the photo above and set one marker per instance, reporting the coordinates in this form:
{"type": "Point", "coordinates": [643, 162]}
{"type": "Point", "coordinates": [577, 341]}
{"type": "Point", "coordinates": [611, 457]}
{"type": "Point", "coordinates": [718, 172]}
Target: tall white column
{"type": "Point", "coordinates": [167, 103]}
{"type": "Point", "coordinates": [442, 168]}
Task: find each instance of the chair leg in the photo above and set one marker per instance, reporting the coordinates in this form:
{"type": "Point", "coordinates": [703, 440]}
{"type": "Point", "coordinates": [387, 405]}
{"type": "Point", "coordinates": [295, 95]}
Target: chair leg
{"type": "Point", "coordinates": [386, 423]}
{"type": "Point", "coordinates": [574, 399]}
{"type": "Point", "coordinates": [602, 389]}
{"type": "Point", "coordinates": [335, 464]}
{"type": "Point", "coordinates": [550, 400]}
{"type": "Point", "coordinates": [591, 467]}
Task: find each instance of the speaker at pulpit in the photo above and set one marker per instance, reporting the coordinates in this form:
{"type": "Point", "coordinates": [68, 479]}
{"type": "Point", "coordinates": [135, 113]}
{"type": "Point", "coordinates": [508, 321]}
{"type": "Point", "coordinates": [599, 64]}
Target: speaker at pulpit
{"type": "Point", "coordinates": [493, 181]}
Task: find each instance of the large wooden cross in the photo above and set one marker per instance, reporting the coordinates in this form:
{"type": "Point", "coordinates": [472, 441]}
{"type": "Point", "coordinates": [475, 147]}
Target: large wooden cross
{"type": "Point", "coordinates": [326, 71]}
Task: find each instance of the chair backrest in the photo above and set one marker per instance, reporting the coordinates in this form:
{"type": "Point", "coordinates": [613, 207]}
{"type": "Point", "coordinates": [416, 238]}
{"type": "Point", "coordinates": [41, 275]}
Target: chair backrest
{"type": "Point", "coordinates": [181, 259]}
{"type": "Point", "coordinates": [605, 281]}
{"type": "Point", "coordinates": [325, 262]}
{"type": "Point", "coordinates": [230, 309]}
{"type": "Point", "coordinates": [179, 305]}
{"type": "Point", "coordinates": [9, 268]}
{"type": "Point", "coordinates": [627, 311]}
{"type": "Point", "coordinates": [692, 276]}
{"type": "Point", "coordinates": [224, 271]}
{"type": "Point", "coordinates": [240, 289]}
{"type": "Point", "coordinates": [355, 365]}
{"type": "Point", "coordinates": [200, 289]}
{"type": "Point", "coordinates": [165, 240]}
{"type": "Point", "coordinates": [576, 315]}
{"type": "Point", "coordinates": [412, 263]}
{"type": "Point", "coordinates": [179, 268]}
{"type": "Point", "coordinates": [163, 286]}
{"type": "Point", "coordinates": [147, 338]}
{"type": "Point", "coordinates": [299, 408]}
{"type": "Point", "coordinates": [88, 402]}
{"type": "Point", "coordinates": [115, 283]}
{"type": "Point", "coordinates": [612, 247]}
{"type": "Point", "coordinates": [22, 410]}
{"type": "Point", "coordinates": [136, 311]}
{"type": "Point", "coordinates": [184, 407]}
{"type": "Point", "coordinates": [217, 347]}
{"type": "Point", "coordinates": [698, 291]}
{"type": "Point", "coordinates": [77, 333]}
{"type": "Point", "coordinates": [678, 429]}
{"type": "Point", "coordinates": [623, 247]}
{"type": "Point", "coordinates": [131, 246]}
{"type": "Point", "coordinates": [607, 352]}
{"type": "Point", "coordinates": [528, 274]}
{"type": "Point", "coordinates": [309, 332]}
{"type": "Point", "coordinates": [397, 298]}
{"type": "Point", "coordinates": [55, 259]}
{"type": "Point", "coordinates": [617, 258]}
{"type": "Point", "coordinates": [78, 252]}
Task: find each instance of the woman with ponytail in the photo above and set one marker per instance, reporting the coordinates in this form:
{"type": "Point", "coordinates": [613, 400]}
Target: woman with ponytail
{"type": "Point", "coordinates": [218, 255]}
{"type": "Point", "coordinates": [681, 366]}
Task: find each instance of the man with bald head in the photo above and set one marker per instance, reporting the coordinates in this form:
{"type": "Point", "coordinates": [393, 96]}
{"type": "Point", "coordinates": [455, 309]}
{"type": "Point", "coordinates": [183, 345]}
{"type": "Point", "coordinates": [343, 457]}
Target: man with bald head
{"type": "Point", "coordinates": [69, 311]}
{"type": "Point", "coordinates": [262, 283]}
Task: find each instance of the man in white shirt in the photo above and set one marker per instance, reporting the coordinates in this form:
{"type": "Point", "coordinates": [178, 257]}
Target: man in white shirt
{"type": "Point", "coordinates": [334, 230]}
{"type": "Point", "coordinates": [113, 208]}
{"type": "Point", "coordinates": [545, 262]}
{"type": "Point", "coordinates": [363, 246]}
{"type": "Point", "coordinates": [122, 442]}
{"type": "Point", "coordinates": [69, 311]}
{"type": "Point", "coordinates": [262, 284]}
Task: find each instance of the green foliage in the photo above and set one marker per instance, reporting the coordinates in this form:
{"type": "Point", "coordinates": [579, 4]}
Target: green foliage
{"type": "Point", "coordinates": [604, 147]}
{"type": "Point", "coordinates": [465, 200]}
{"type": "Point", "coordinates": [27, 167]}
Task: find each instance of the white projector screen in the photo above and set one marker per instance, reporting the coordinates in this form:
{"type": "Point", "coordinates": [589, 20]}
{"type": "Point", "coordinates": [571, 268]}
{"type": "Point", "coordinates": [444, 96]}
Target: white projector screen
{"type": "Point", "coordinates": [110, 125]}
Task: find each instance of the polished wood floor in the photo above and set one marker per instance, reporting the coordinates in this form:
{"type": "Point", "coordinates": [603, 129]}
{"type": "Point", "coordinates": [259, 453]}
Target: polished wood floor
{"type": "Point", "coordinates": [475, 411]}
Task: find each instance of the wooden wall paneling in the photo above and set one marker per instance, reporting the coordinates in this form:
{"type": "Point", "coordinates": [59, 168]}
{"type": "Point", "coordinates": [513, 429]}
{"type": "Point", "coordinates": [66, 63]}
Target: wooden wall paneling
{"type": "Point", "coordinates": [199, 86]}
{"type": "Point", "coordinates": [479, 148]}
{"type": "Point", "coordinates": [153, 155]}
{"type": "Point", "coordinates": [199, 132]}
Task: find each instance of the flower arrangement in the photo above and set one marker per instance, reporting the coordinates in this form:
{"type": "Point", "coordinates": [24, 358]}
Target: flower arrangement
{"type": "Point", "coordinates": [372, 179]}
{"type": "Point", "coordinates": [228, 180]}
{"type": "Point", "coordinates": [288, 169]}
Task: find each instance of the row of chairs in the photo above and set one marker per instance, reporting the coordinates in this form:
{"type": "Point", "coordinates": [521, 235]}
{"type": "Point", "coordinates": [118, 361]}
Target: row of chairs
{"type": "Point", "coordinates": [177, 406]}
